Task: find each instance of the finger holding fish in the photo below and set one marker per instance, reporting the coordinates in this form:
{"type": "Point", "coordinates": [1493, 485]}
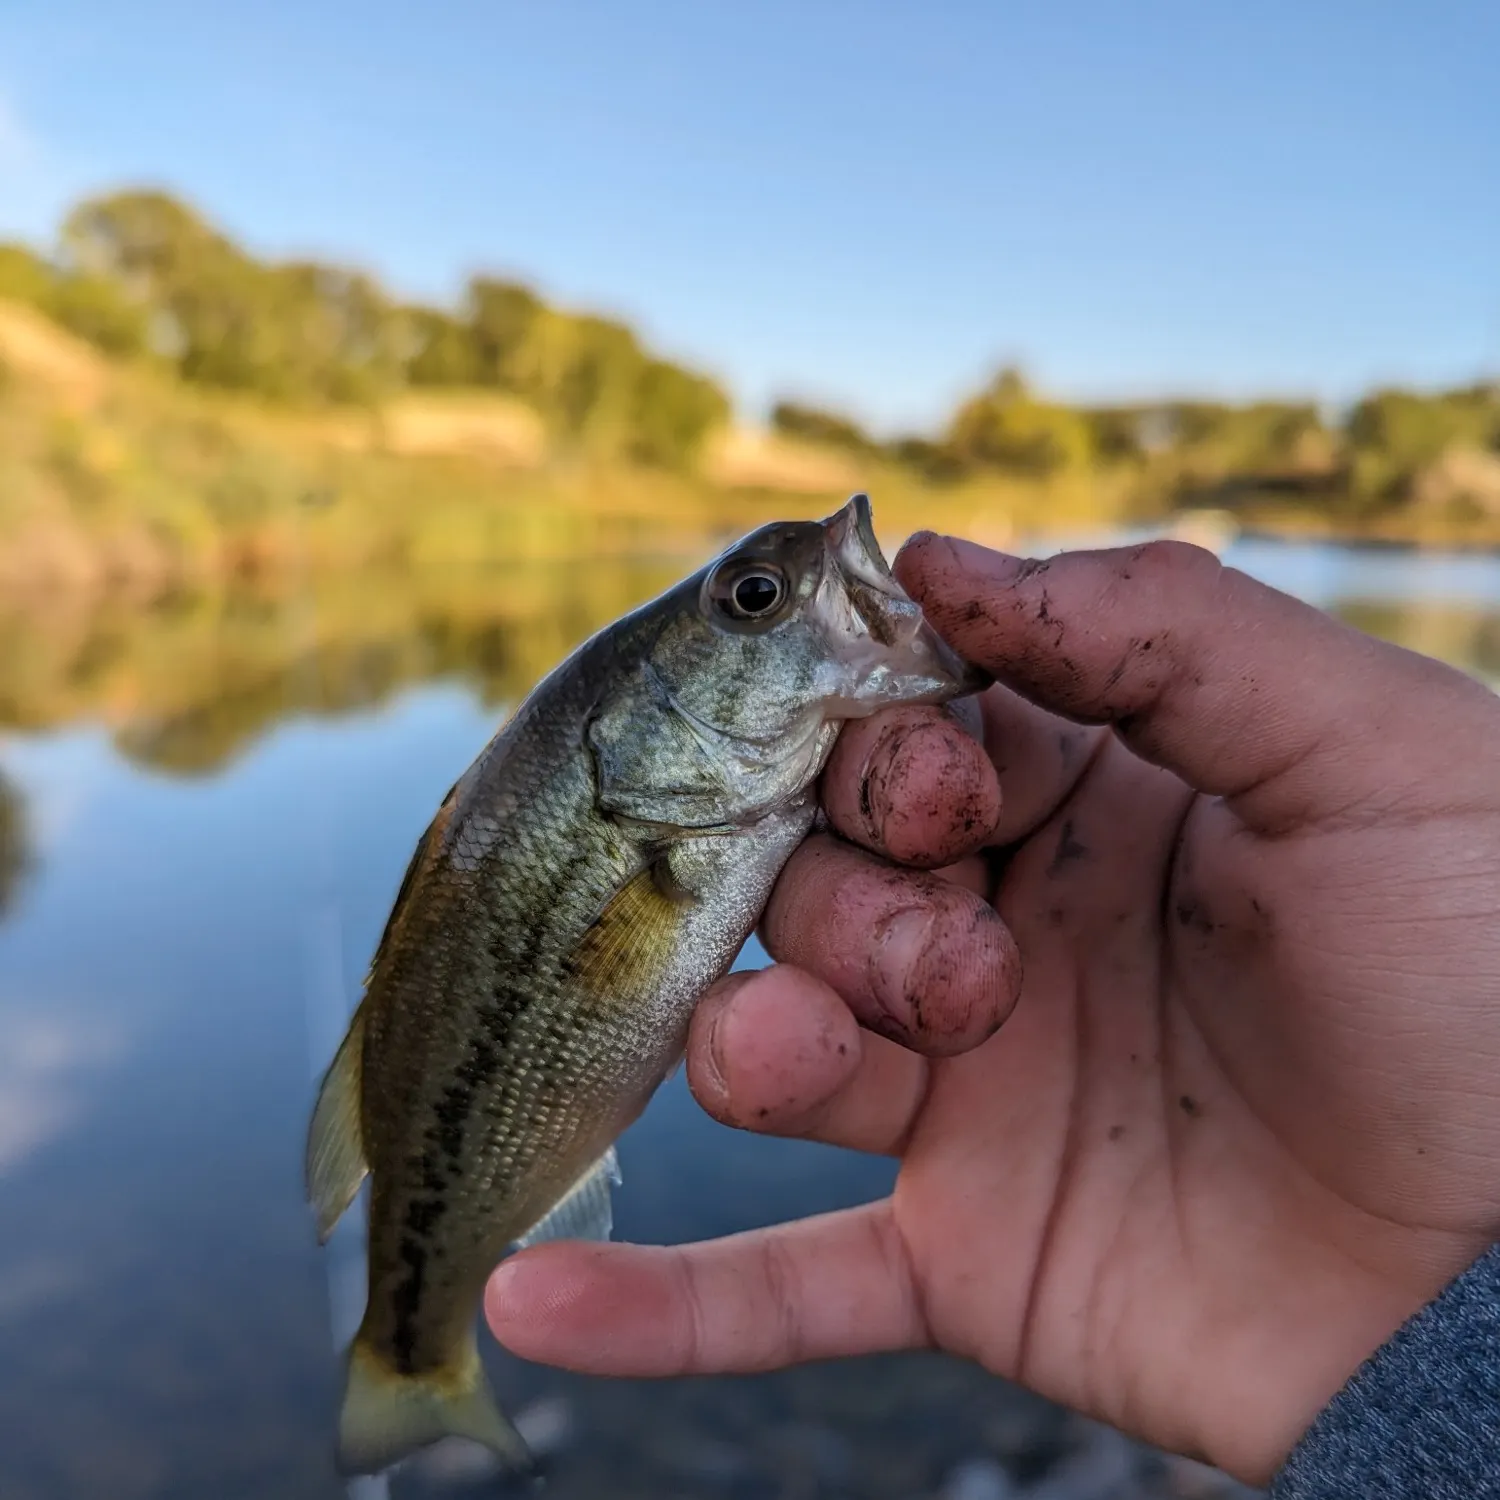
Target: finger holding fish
{"type": "Point", "coordinates": [918, 958]}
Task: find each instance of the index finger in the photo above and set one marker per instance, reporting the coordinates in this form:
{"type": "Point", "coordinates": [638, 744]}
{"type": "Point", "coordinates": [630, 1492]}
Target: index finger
{"type": "Point", "coordinates": [1241, 690]}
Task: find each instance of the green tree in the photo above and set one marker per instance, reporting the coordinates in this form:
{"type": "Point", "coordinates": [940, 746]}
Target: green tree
{"type": "Point", "coordinates": [673, 414]}
{"type": "Point", "coordinates": [438, 349]}
{"type": "Point", "coordinates": [298, 330]}
{"type": "Point", "coordinates": [1393, 434]}
{"type": "Point", "coordinates": [599, 379]}
{"type": "Point", "coordinates": [96, 309]}
{"type": "Point", "coordinates": [932, 461]}
{"type": "Point", "coordinates": [814, 424]}
{"type": "Point", "coordinates": [140, 268]}
{"type": "Point", "coordinates": [1007, 428]}
{"type": "Point", "coordinates": [505, 320]}
{"type": "Point", "coordinates": [1256, 437]}
{"type": "Point", "coordinates": [93, 306]}
{"type": "Point", "coordinates": [25, 276]}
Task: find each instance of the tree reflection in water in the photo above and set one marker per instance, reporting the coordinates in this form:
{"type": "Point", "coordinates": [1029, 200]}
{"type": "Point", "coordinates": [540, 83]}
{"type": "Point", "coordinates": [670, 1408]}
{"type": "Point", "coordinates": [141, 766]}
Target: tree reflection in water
{"type": "Point", "coordinates": [15, 854]}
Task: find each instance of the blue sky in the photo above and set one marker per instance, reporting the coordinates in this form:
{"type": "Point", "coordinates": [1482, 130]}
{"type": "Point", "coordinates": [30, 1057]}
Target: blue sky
{"type": "Point", "coordinates": [870, 204]}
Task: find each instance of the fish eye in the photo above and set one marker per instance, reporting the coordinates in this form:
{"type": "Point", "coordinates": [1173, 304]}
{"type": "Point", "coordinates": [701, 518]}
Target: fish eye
{"type": "Point", "coordinates": [750, 593]}
{"type": "Point", "coordinates": [757, 592]}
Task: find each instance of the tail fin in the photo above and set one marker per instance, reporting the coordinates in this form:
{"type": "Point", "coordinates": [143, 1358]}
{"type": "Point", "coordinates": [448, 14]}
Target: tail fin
{"type": "Point", "coordinates": [388, 1416]}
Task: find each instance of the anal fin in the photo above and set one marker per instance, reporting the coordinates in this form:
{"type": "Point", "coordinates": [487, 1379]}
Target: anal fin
{"type": "Point", "coordinates": [585, 1211]}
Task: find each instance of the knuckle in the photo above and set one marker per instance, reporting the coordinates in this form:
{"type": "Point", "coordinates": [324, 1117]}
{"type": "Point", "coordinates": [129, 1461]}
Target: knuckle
{"type": "Point", "coordinates": [1167, 561]}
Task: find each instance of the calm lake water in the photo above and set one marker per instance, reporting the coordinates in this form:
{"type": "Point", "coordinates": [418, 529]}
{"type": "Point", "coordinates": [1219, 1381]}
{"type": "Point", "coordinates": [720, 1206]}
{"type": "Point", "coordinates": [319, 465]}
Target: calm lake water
{"type": "Point", "coordinates": [205, 810]}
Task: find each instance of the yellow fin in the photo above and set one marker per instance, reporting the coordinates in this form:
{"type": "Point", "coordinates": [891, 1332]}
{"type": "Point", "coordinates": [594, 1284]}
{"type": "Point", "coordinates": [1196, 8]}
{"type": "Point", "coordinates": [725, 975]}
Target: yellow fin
{"type": "Point", "coordinates": [336, 1162]}
{"type": "Point", "coordinates": [631, 941]}
{"type": "Point", "coordinates": [387, 1416]}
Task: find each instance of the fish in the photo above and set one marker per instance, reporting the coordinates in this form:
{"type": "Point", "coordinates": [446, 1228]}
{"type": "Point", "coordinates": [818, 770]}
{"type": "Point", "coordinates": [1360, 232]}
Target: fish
{"type": "Point", "coordinates": [588, 877]}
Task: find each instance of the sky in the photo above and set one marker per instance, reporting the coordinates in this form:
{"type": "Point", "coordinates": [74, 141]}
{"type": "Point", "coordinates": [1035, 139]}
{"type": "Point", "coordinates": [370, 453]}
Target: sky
{"type": "Point", "coordinates": [864, 203]}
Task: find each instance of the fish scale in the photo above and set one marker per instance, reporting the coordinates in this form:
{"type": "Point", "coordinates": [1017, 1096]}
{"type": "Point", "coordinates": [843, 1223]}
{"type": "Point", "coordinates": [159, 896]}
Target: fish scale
{"type": "Point", "coordinates": [582, 884]}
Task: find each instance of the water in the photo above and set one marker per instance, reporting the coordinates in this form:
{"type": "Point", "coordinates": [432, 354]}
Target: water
{"type": "Point", "coordinates": [205, 809]}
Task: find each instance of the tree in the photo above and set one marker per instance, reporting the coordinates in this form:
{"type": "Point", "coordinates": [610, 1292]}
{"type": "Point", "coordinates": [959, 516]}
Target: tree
{"type": "Point", "coordinates": [92, 306]}
{"type": "Point", "coordinates": [437, 348]}
{"type": "Point", "coordinates": [504, 319]}
{"type": "Point", "coordinates": [140, 268]}
{"type": "Point", "coordinates": [813, 424]}
{"type": "Point", "coordinates": [585, 380]}
{"type": "Point", "coordinates": [1394, 434]}
{"type": "Point", "coordinates": [673, 414]}
{"type": "Point", "coordinates": [1005, 427]}
{"type": "Point", "coordinates": [95, 309]}
{"type": "Point", "coordinates": [935, 462]}
{"type": "Point", "coordinates": [25, 276]}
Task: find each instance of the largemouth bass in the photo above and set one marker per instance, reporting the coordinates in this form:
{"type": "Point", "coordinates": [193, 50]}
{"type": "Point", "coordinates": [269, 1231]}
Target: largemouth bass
{"type": "Point", "coordinates": [588, 877]}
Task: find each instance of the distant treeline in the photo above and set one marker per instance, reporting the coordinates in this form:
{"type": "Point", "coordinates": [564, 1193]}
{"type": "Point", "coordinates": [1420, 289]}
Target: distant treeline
{"type": "Point", "coordinates": [141, 274]}
{"type": "Point", "coordinates": [1390, 449]}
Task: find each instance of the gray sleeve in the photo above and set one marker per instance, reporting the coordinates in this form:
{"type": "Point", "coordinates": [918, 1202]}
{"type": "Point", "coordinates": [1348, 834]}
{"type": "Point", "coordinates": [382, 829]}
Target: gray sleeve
{"type": "Point", "coordinates": [1420, 1419]}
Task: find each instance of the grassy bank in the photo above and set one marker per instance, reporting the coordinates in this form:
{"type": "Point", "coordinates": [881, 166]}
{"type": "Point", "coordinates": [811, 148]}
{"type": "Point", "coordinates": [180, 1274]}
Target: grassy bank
{"type": "Point", "coordinates": [118, 476]}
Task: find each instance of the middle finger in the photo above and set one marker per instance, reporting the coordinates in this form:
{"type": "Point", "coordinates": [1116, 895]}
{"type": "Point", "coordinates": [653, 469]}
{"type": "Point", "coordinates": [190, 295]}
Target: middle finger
{"type": "Point", "coordinates": [916, 957]}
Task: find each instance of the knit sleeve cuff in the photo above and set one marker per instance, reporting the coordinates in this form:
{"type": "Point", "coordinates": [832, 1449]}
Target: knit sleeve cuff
{"type": "Point", "coordinates": [1420, 1419]}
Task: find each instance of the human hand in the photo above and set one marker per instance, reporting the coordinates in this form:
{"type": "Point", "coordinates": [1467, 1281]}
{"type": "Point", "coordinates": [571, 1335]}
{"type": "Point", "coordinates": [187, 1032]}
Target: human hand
{"type": "Point", "coordinates": [1245, 1118]}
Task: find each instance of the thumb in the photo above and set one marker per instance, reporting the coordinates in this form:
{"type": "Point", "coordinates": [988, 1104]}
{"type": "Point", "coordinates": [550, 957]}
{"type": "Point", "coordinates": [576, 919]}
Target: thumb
{"type": "Point", "coordinates": [1243, 691]}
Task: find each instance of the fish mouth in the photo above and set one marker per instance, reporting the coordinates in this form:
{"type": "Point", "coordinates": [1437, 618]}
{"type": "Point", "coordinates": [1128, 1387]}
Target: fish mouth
{"type": "Point", "coordinates": [851, 538]}
{"type": "Point", "coordinates": [907, 647]}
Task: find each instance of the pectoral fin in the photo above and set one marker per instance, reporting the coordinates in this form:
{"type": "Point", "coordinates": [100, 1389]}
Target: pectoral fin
{"type": "Point", "coordinates": [631, 942]}
{"type": "Point", "coordinates": [586, 1212]}
{"type": "Point", "coordinates": [336, 1162]}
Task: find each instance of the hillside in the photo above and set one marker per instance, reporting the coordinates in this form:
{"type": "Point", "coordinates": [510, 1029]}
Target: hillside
{"type": "Point", "coordinates": [118, 473]}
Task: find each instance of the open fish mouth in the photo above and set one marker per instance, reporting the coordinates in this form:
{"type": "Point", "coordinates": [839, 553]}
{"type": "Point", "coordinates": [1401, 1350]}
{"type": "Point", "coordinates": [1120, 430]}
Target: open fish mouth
{"type": "Point", "coordinates": [901, 644]}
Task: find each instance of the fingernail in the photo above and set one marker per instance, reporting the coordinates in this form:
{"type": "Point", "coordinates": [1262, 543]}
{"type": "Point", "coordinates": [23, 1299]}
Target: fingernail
{"type": "Point", "coordinates": [901, 942]}
{"type": "Point", "coordinates": [717, 1001]}
{"type": "Point", "coordinates": [903, 739]}
{"type": "Point", "coordinates": [716, 1052]}
{"type": "Point", "coordinates": [502, 1280]}
{"type": "Point", "coordinates": [872, 779]}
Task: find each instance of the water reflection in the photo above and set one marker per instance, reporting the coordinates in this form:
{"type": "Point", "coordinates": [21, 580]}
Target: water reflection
{"type": "Point", "coordinates": [15, 853]}
{"type": "Point", "coordinates": [187, 684]}
{"type": "Point", "coordinates": [160, 1290]}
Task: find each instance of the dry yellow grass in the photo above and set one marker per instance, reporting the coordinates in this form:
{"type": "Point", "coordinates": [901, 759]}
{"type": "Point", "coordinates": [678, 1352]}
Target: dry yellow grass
{"type": "Point", "coordinates": [751, 458]}
{"type": "Point", "coordinates": [35, 348]}
{"type": "Point", "coordinates": [498, 428]}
